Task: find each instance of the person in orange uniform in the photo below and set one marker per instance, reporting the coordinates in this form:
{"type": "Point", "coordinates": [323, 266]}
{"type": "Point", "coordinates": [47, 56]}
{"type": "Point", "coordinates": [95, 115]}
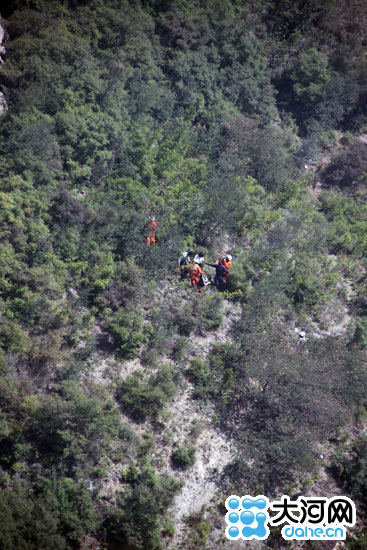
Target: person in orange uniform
{"type": "Point", "coordinates": [196, 275]}
{"type": "Point", "coordinates": [227, 262]}
{"type": "Point", "coordinates": [151, 236]}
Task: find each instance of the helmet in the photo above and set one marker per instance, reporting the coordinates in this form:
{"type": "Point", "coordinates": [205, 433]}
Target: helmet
{"type": "Point", "coordinates": [229, 257]}
{"type": "Point", "coordinates": [152, 218]}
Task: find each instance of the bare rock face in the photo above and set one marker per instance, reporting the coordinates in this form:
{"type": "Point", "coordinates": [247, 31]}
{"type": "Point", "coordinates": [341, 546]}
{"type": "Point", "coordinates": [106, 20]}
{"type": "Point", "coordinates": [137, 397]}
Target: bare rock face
{"type": "Point", "coordinates": [3, 104]}
{"type": "Point", "coordinates": [2, 35]}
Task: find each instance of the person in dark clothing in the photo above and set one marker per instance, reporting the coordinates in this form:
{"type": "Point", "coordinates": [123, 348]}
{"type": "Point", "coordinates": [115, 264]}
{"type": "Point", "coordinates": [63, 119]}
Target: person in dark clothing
{"type": "Point", "coordinates": [184, 263]}
{"type": "Point", "coordinates": [220, 272]}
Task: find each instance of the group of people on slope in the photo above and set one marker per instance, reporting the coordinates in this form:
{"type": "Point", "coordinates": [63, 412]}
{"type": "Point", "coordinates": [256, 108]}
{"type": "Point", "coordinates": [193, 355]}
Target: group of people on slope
{"type": "Point", "coordinates": [192, 266]}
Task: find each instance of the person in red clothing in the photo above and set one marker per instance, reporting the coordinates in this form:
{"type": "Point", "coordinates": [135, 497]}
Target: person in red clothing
{"type": "Point", "coordinates": [227, 262]}
{"type": "Point", "coordinates": [196, 276]}
{"type": "Point", "coordinates": [153, 227]}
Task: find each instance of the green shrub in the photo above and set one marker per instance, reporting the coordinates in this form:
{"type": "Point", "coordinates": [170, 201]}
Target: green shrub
{"type": "Point", "coordinates": [360, 332]}
{"type": "Point", "coordinates": [306, 289]}
{"type": "Point", "coordinates": [351, 469]}
{"type": "Point", "coordinates": [211, 312]}
{"type": "Point", "coordinates": [4, 426]}
{"type": "Point", "coordinates": [56, 514]}
{"type": "Point", "coordinates": [72, 428]}
{"type": "Point", "coordinates": [313, 280]}
{"type": "Point", "coordinates": [136, 520]}
{"type": "Point", "coordinates": [14, 339]}
{"type": "Point", "coordinates": [124, 288]}
{"type": "Point", "coordinates": [144, 398]}
{"type": "Point", "coordinates": [199, 374]}
{"type": "Point", "coordinates": [184, 456]}
{"type": "Point", "coordinates": [359, 544]}
{"type": "Point", "coordinates": [199, 527]}
{"type": "Point", "coordinates": [179, 348]}
{"type": "Point", "coordinates": [200, 313]}
{"type": "Point", "coordinates": [127, 331]}
{"type": "Point", "coordinates": [348, 168]}
{"type": "Point", "coordinates": [239, 279]}
{"type": "Point", "coordinates": [185, 318]}
{"type": "Point", "coordinates": [309, 76]}
{"type": "Point", "coordinates": [348, 222]}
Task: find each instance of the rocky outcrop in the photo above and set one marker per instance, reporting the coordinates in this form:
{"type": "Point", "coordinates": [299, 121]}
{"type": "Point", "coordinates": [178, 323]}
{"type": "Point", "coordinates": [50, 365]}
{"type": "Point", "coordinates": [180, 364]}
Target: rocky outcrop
{"type": "Point", "coordinates": [3, 104]}
{"type": "Point", "coordinates": [2, 36]}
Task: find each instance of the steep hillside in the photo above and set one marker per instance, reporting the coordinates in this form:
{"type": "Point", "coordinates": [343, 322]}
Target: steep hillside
{"type": "Point", "coordinates": [131, 404]}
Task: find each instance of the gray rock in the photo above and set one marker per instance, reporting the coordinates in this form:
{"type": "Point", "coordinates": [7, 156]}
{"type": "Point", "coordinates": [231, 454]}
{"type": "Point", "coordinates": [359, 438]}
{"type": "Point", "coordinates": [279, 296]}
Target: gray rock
{"type": "Point", "coordinates": [3, 104]}
{"type": "Point", "coordinates": [2, 36]}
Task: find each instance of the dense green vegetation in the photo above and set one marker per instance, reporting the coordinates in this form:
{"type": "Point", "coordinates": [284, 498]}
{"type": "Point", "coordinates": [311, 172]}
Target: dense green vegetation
{"type": "Point", "coordinates": [204, 114]}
